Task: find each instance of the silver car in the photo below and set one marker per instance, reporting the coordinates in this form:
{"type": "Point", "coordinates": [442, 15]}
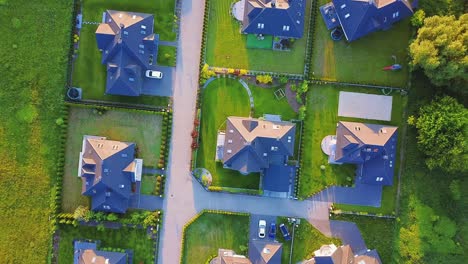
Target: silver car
{"type": "Point", "coordinates": [154, 74]}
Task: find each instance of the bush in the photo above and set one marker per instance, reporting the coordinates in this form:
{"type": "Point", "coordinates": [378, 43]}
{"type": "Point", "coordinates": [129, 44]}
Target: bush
{"type": "Point", "coordinates": [264, 79]}
{"type": "Point", "coordinates": [455, 190]}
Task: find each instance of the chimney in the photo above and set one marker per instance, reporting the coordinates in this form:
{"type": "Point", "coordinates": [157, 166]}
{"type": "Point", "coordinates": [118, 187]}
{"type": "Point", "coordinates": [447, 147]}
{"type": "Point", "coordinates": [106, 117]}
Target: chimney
{"type": "Point", "coordinates": [273, 3]}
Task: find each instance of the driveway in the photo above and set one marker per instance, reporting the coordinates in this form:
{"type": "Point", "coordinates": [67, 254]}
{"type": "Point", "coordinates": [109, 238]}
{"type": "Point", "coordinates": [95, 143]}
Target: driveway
{"type": "Point", "coordinates": [253, 229]}
{"type": "Point", "coordinates": [160, 87]}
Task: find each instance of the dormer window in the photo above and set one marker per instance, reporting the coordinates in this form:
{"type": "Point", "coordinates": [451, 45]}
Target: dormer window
{"type": "Point", "coordinates": [229, 141]}
{"type": "Point", "coordinates": [285, 28]}
{"type": "Point", "coordinates": [229, 151]}
{"type": "Point", "coordinates": [396, 14]}
{"type": "Point", "coordinates": [347, 15]}
{"type": "Point", "coordinates": [121, 186]}
{"type": "Point", "coordinates": [141, 51]}
{"type": "Point", "coordinates": [131, 79]}
{"type": "Point", "coordinates": [125, 33]}
{"type": "Point", "coordinates": [143, 27]}
{"type": "Point", "coordinates": [343, 6]}
{"type": "Point", "coordinates": [141, 46]}
{"type": "Point", "coordinates": [143, 32]}
{"type": "Point", "coordinates": [260, 25]}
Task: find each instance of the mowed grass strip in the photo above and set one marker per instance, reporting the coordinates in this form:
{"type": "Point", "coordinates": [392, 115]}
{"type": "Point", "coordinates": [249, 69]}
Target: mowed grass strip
{"type": "Point", "coordinates": [362, 60]}
{"type": "Point", "coordinates": [320, 121]}
{"type": "Point", "coordinates": [124, 238]}
{"type": "Point", "coordinates": [33, 52]}
{"type": "Point", "coordinates": [227, 47]}
{"type": "Point", "coordinates": [222, 98]}
{"type": "Point", "coordinates": [211, 232]}
{"type": "Point", "coordinates": [142, 129]}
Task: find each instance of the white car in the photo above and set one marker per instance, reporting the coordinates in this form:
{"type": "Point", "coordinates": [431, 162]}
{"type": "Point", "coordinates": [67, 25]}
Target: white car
{"type": "Point", "coordinates": [261, 228]}
{"type": "Point", "coordinates": [154, 74]}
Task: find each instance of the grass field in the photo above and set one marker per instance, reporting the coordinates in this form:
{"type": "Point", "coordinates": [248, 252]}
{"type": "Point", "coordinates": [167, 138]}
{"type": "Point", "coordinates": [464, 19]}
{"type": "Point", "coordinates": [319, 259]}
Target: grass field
{"type": "Point", "coordinates": [321, 119]}
{"type": "Point", "coordinates": [124, 238]}
{"type": "Point", "coordinates": [227, 47]}
{"type": "Point", "coordinates": [89, 74]}
{"type": "Point", "coordinates": [115, 125]}
{"type": "Point", "coordinates": [33, 52]}
{"type": "Point", "coordinates": [362, 60]}
{"type": "Point", "coordinates": [222, 98]}
{"type": "Point", "coordinates": [266, 103]}
{"type": "Point", "coordinates": [307, 239]}
{"type": "Point", "coordinates": [167, 56]}
{"type": "Point", "coordinates": [211, 232]}
{"type": "Point", "coordinates": [377, 233]}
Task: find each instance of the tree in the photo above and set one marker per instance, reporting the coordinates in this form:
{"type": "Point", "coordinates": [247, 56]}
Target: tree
{"type": "Point", "coordinates": [417, 20]}
{"type": "Point", "coordinates": [302, 112]}
{"type": "Point", "coordinates": [442, 127]}
{"type": "Point", "coordinates": [440, 49]}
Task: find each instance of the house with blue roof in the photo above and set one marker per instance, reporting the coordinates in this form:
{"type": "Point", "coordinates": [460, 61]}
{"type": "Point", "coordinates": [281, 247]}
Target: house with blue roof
{"type": "Point", "coordinates": [371, 147]}
{"type": "Point", "coordinates": [108, 169]}
{"type": "Point", "coordinates": [331, 254]}
{"type": "Point", "coordinates": [129, 48]}
{"type": "Point", "coordinates": [281, 18]}
{"type": "Point", "coordinates": [87, 253]}
{"type": "Point", "coordinates": [358, 18]}
{"type": "Point", "coordinates": [252, 145]}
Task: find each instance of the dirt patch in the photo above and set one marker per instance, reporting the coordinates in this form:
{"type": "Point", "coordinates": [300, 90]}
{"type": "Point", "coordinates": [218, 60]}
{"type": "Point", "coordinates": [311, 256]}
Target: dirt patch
{"type": "Point", "coordinates": [291, 96]}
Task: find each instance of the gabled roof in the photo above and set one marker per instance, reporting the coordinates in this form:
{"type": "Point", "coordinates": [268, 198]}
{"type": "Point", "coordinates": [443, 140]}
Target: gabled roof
{"type": "Point", "coordinates": [265, 252]}
{"type": "Point", "coordinates": [249, 142]}
{"type": "Point", "coordinates": [127, 43]}
{"type": "Point", "coordinates": [86, 253]}
{"type": "Point", "coordinates": [277, 17]}
{"type": "Point", "coordinates": [107, 171]}
{"type": "Point", "coordinates": [361, 17]}
{"type": "Point", "coordinates": [330, 254]}
{"type": "Point", "coordinates": [359, 135]}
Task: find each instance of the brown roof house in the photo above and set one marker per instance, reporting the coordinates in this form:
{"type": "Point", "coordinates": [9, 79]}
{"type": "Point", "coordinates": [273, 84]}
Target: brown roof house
{"type": "Point", "coordinates": [87, 253]}
{"type": "Point", "coordinates": [107, 169]}
{"type": "Point", "coordinates": [227, 256]}
{"type": "Point", "coordinates": [265, 252]}
{"type": "Point", "coordinates": [250, 145]}
{"type": "Point", "coordinates": [330, 254]}
{"type": "Point", "coordinates": [371, 147]}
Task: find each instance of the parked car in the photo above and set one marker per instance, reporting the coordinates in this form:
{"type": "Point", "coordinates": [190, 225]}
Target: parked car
{"type": "Point", "coordinates": [272, 233]}
{"type": "Point", "coordinates": [261, 228]}
{"type": "Point", "coordinates": [285, 232]}
{"type": "Point", "coordinates": [154, 74]}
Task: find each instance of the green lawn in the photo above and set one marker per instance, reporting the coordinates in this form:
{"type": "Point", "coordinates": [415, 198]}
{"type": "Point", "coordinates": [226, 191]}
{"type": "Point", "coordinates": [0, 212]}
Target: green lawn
{"type": "Point", "coordinates": [266, 103]}
{"type": "Point", "coordinates": [124, 238]}
{"type": "Point", "coordinates": [321, 120]}
{"type": "Point", "coordinates": [221, 99]}
{"type": "Point", "coordinates": [307, 239]}
{"type": "Point", "coordinates": [227, 47]}
{"type": "Point", "coordinates": [115, 125]}
{"type": "Point", "coordinates": [167, 56]}
{"type": "Point", "coordinates": [211, 232]}
{"type": "Point", "coordinates": [377, 233]}
{"type": "Point", "coordinates": [89, 74]}
{"type": "Point", "coordinates": [33, 52]}
{"type": "Point", "coordinates": [362, 60]}
{"type": "Point", "coordinates": [253, 42]}
{"type": "Point", "coordinates": [148, 183]}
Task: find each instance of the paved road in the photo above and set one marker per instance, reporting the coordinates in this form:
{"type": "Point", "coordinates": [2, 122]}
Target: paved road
{"type": "Point", "coordinates": [179, 205]}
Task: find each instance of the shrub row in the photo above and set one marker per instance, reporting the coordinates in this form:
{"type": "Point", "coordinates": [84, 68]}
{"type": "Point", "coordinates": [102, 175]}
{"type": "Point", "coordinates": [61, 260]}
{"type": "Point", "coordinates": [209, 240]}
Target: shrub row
{"type": "Point", "coordinates": [166, 134]}
{"type": "Point", "coordinates": [234, 190]}
{"type": "Point", "coordinates": [299, 170]}
{"type": "Point", "coordinates": [310, 39]}
{"type": "Point", "coordinates": [323, 81]}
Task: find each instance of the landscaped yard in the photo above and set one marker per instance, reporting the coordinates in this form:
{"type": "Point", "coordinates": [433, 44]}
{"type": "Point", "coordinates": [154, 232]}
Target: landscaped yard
{"type": "Point", "coordinates": [321, 120]}
{"type": "Point", "coordinates": [223, 98]}
{"type": "Point", "coordinates": [307, 239]}
{"type": "Point", "coordinates": [377, 233]}
{"type": "Point", "coordinates": [167, 56]}
{"type": "Point", "coordinates": [211, 232]}
{"type": "Point", "coordinates": [361, 61]}
{"type": "Point", "coordinates": [148, 183]}
{"type": "Point", "coordinates": [227, 47]}
{"type": "Point", "coordinates": [33, 52]}
{"type": "Point", "coordinates": [124, 238]}
{"type": "Point", "coordinates": [89, 74]}
{"type": "Point", "coordinates": [143, 129]}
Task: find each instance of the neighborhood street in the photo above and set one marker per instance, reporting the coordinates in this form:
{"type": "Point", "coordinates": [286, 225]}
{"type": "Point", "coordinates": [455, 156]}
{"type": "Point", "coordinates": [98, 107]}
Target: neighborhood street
{"type": "Point", "coordinates": [184, 196]}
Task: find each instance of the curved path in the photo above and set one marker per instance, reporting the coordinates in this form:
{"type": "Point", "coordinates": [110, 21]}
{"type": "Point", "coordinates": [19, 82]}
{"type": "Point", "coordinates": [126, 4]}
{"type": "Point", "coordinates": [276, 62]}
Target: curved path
{"type": "Point", "coordinates": [184, 195]}
{"type": "Point", "coordinates": [242, 82]}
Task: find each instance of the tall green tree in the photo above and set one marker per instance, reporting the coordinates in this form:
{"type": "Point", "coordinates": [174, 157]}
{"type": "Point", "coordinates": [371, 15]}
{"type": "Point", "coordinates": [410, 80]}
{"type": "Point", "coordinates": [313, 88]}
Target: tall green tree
{"type": "Point", "coordinates": [442, 132]}
{"type": "Point", "coordinates": [441, 50]}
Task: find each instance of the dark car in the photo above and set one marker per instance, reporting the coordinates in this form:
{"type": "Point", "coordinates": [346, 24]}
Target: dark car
{"type": "Point", "coordinates": [285, 232]}
{"type": "Point", "coordinates": [272, 233]}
